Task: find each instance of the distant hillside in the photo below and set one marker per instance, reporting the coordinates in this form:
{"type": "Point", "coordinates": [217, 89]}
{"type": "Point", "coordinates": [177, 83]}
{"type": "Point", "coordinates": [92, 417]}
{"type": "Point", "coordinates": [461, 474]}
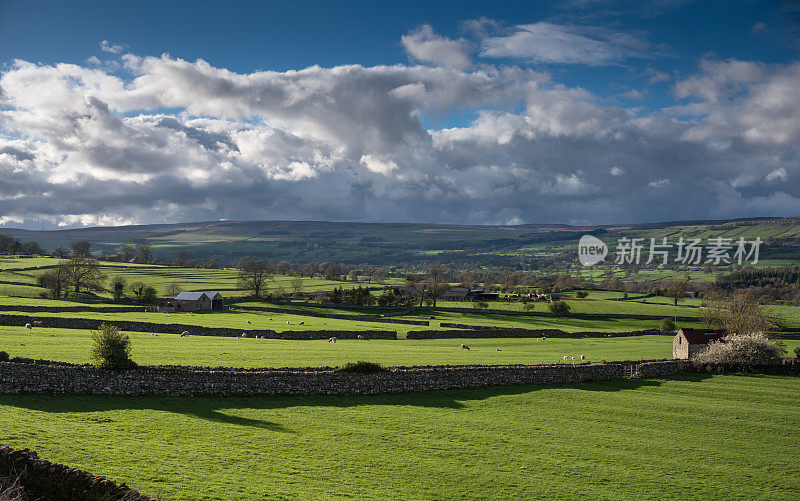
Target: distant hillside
{"type": "Point", "coordinates": [397, 243]}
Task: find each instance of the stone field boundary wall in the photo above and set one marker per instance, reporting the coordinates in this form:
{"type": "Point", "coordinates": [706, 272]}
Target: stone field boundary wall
{"type": "Point", "coordinates": [45, 480]}
{"type": "Point", "coordinates": [476, 331]}
{"type": "Point", "coordinates": [337, 316]}
{"type": "Point", "coordinates": [194, 330]}
{"type": "Point", "coordinates": [50, 378]}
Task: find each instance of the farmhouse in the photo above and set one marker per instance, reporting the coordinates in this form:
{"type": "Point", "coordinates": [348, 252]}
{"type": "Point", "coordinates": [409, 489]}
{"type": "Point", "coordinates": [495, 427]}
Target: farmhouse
{"type": "Point", "coordinates": [689, 342]}
{"type": "Point", "coordinates": [193, 301]}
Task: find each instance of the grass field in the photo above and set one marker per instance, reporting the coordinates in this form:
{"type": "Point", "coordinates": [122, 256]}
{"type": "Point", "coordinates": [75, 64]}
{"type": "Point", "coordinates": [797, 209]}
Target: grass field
{"type": "Point", "coordinates": [689, 437]}
{"type": "Point", "coordinates": [72, 345]}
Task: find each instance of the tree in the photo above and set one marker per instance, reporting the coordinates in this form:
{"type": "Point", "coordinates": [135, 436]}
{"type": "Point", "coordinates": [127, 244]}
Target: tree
{"type": "Point", "coordinates": [144, 254]}
{"type": "Point", "coordinates": [60, 253]}
{"type": "Point", "coordinates": [677, 291]}
{"type": "Point", "coordinates": [667, 325]}
{"type": "Point", "coordinates": [414, 283]}
{"type": "Point", "coordinates": [297, 285]}
{"type": "Point", "coordinates": [253, 275]}
{"type": "Point", "coordinates": [182, 259]}
{"type": "Point", "coordinates": [173, 289]}
{"type": "Point", "coordinates": [112, 348]}
{"type": "Point", "coordinates": [137, 289]}
{"type": "Point", "coordinates": [313, 268]}
{"type": "Point", "coordinates": [282, 268]}
{"type": "Point", "coordinates": [211, 264]}
{"type": "Point", "coordinates": [149, 294]}
{"type": "Point", "coordinates": [56, 280]}
{"type": "Point", "coordinates": [741, 315]}
{"type": "Point", "coordinates": [332, 272]}
{"type": "Point", "coordinates": [118, 288]}
{"type": "Point", "coordinates": [81, 248]}
{"type": "Point", "coordinates": [436, 281]}
{"type": "Point", "coordinates": [84, 274]}
{"type": "Point", "coordinates": [127, 253]}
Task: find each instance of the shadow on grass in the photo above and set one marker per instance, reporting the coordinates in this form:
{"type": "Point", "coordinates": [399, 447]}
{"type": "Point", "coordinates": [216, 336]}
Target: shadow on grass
{"type": "Point", "coordinates": [211, 408]}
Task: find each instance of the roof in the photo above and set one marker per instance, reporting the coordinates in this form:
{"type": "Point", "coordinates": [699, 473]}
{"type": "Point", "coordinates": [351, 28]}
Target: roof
{"type": "Point", "coordinates": [702, 336]}
{"type": "Point", "coordinates": [194, 296]}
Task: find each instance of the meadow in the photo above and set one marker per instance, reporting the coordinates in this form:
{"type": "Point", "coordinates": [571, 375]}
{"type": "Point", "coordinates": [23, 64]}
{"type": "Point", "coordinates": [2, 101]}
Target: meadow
{"type": "Point", "coordinates": [689, 437]}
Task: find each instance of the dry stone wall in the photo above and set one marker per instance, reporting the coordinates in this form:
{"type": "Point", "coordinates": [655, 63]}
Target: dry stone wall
{"type": "Point", "coordinates": [45, 480]}
{"type": "Point", "coordinates": [473, 331]}
{"type": "Point", "coordinates": [42, 377]}
{"type": "Point", "coordinates": [194, 330]}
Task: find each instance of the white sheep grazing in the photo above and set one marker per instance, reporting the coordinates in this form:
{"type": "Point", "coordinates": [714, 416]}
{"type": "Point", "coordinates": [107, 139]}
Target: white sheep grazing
{"type": "Point", "coordinates": [184, 333]}
{"type": "Point", "coordinates": [565, 357]}
{"type": "Point", "coordinates": [270, 318]}
{"type": "Point", "coordinates": [287, 323]}
{"type": "Point", "coordinates": [543, 338]}
{"type": "Point", "coordinates": [302, 323]}
{"type": "Point", "coordinates": [27, 326]}
{"type": "Point", "coordinates": [332, 340]}
{"type": "Point", "coordinates": [583, 357]}
{"type": "Point", "coordinates": [244, 334]}
{"type": "Point", "coordinates": [498, 349]}
{"type": "Point", "coordinates": [464, 347]}
{"type": "Point", "coordinates": [248, 321]}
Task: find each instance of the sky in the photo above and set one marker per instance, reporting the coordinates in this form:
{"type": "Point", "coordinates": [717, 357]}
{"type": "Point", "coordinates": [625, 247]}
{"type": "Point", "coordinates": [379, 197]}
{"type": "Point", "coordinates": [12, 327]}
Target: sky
{"type": "Point", "coordinates": [556, 111]}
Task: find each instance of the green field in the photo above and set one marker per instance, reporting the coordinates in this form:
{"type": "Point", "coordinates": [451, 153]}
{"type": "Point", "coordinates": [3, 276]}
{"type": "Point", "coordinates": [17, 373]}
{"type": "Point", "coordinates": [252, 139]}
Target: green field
{"type": "Point", "coordinates": [71, 345]}
{"type": "Point", "coordinates": [689, 437]}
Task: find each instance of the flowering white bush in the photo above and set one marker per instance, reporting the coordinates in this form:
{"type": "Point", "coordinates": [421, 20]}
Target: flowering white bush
{"type": "Point", "coordinates": [742, 351]}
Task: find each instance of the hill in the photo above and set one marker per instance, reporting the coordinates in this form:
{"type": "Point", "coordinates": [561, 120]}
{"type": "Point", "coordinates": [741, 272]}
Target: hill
{"type": "Point", "coordinates": [529, 245]}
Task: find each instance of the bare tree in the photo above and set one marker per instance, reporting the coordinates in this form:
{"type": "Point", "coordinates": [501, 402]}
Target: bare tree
{"type": "Point", "coordinates": [678, 291]}
{"type": "Point", "coordinates": [740, 315]}
{"type": "Point", "coordinates": [84, 274]}
{"type": "Point", "coordinates": [297, 285]}
{"type": "Point", "coordinates": [436, 281]}
{"type": "Point", "coordinates": [173, 289]}
{"type": "Point", "coordinates": [127, 253]}
{"type": "Point", "coordinates": [414, 282]}
{"type": "Point", "coordinates": [144, 254]}
{"type": "Point", "coordinates": [253, 275]}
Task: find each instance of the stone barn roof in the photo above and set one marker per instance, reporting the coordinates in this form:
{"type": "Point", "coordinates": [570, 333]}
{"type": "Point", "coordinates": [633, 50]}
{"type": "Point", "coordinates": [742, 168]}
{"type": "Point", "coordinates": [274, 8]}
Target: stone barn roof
{"type": "Point", "coordinates": [702, 336]}
{"type": "Point", "coordinates": [194, 296]}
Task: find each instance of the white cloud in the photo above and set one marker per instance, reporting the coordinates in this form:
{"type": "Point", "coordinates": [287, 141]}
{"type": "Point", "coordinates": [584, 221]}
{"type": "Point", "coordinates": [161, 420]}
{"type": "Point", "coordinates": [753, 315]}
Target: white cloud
{"type": "Point", "coordinates": [111, 48]}
{"type": "Point", "coordinates": [553, 43]}
{"type": "Point", "coordinates": [425, 45]}
{"type": "Point", "coordinates": [659, 183]}
{"type": "Point", "coordinates": [84, 145]}
{"type": "Point", "coordinates": [758, 28]}
{"type": "Point", "coordinates": [778, 174]}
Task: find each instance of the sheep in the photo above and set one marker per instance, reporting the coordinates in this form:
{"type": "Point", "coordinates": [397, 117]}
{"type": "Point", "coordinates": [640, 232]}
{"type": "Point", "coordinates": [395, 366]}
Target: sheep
{"type": "Point", "coordinates": [28, 326]}
{"type": "Point", "coordinates": [332, 340]}
{"type": "Point", "coordinates": [498, 349]}
{"type": "Point", "coordinates": [287, 323]}
{"type": "Point", "coordinates": [543, 338]}
{"type": "Point", "coordinates": [464, 347]}
{"type": "Point", "coordinates": [302, 323]}
{"type": "Point", "coordinates": [566, 357]}
{"type": "Point", "coordinates": [360, 336]}
{"type": "Point", "coordinates": [248, 321]}
{"type": "Point", "coordinates": [244, 334]}
{"type": "Point", "coordinates": [37, 323]}
{"type": "Point", "coordinates": [583, 357]}
{"type": "Point", "coordinates": [270, 318]}
{"type": "Point", "coordinates": [573, 360]}
{"type": "Point", "coordinates": [184, 333]}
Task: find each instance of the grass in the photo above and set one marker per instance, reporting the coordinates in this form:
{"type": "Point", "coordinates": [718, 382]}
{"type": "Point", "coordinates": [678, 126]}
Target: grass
{"type": "Point", "coordinates": [72, 345]}
{"type": "Point", "coordinates": [697, 437]}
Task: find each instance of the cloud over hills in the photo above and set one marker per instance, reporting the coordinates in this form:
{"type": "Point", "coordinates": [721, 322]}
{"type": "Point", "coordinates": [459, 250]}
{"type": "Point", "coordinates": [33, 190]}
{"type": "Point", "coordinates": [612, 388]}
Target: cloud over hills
{"type": "Point", "coordinates": [165, 139]}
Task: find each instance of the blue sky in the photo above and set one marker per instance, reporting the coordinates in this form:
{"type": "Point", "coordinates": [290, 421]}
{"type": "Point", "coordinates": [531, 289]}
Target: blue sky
{"type": "Point", "coordinates": [622, 69]}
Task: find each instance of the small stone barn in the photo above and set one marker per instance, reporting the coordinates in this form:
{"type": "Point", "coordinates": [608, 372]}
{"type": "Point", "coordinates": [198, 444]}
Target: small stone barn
{"type": "Point", "coordinates": [689, 342]}
{"type": "Point", "coordinates": [193, 301]}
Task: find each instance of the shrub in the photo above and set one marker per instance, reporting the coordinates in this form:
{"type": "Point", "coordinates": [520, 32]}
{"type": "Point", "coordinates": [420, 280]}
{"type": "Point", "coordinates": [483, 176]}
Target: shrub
{"type": "Point", "coordinates": [529, 306]}
{"type": "Point", "coordinates": [581, 294]}
{"type": "Point", "coordinates": [480, 305]}
{"type": "Point", "coordinates": [112, 348]}
{"type": "Point", "coordinates": [4, 356]}
{"type": "Point", "coordinates": [667, 325]}
{"type": "Point", "coordinates": [797, 351]}
{"type": "Point", "coordinates": [741, 351]}
{"type": "Point", "coordinates": [558, 308]}
{"type": "Point", "coordinates": [362, 367]}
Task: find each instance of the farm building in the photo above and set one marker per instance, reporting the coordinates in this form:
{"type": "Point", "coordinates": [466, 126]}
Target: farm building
{"type": "Point", "coordinates": [193, 301]}
{"type": "Point", "coordinates": [689, 342]}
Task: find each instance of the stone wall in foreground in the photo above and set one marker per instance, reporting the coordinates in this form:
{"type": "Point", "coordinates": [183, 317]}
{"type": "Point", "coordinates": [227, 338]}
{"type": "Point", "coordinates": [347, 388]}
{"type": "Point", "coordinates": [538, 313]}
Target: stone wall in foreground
{"type": "Point", "coordinates": [44, 377]}
{"type": "Point", "coordinates": [45, 480]}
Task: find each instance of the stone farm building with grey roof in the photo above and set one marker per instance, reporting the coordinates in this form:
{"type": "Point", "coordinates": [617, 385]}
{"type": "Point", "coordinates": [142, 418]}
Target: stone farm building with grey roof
{"type": "Point", "coordinates": [193, 301]}
{"type": "Point", "coordinates": [689, 342]}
